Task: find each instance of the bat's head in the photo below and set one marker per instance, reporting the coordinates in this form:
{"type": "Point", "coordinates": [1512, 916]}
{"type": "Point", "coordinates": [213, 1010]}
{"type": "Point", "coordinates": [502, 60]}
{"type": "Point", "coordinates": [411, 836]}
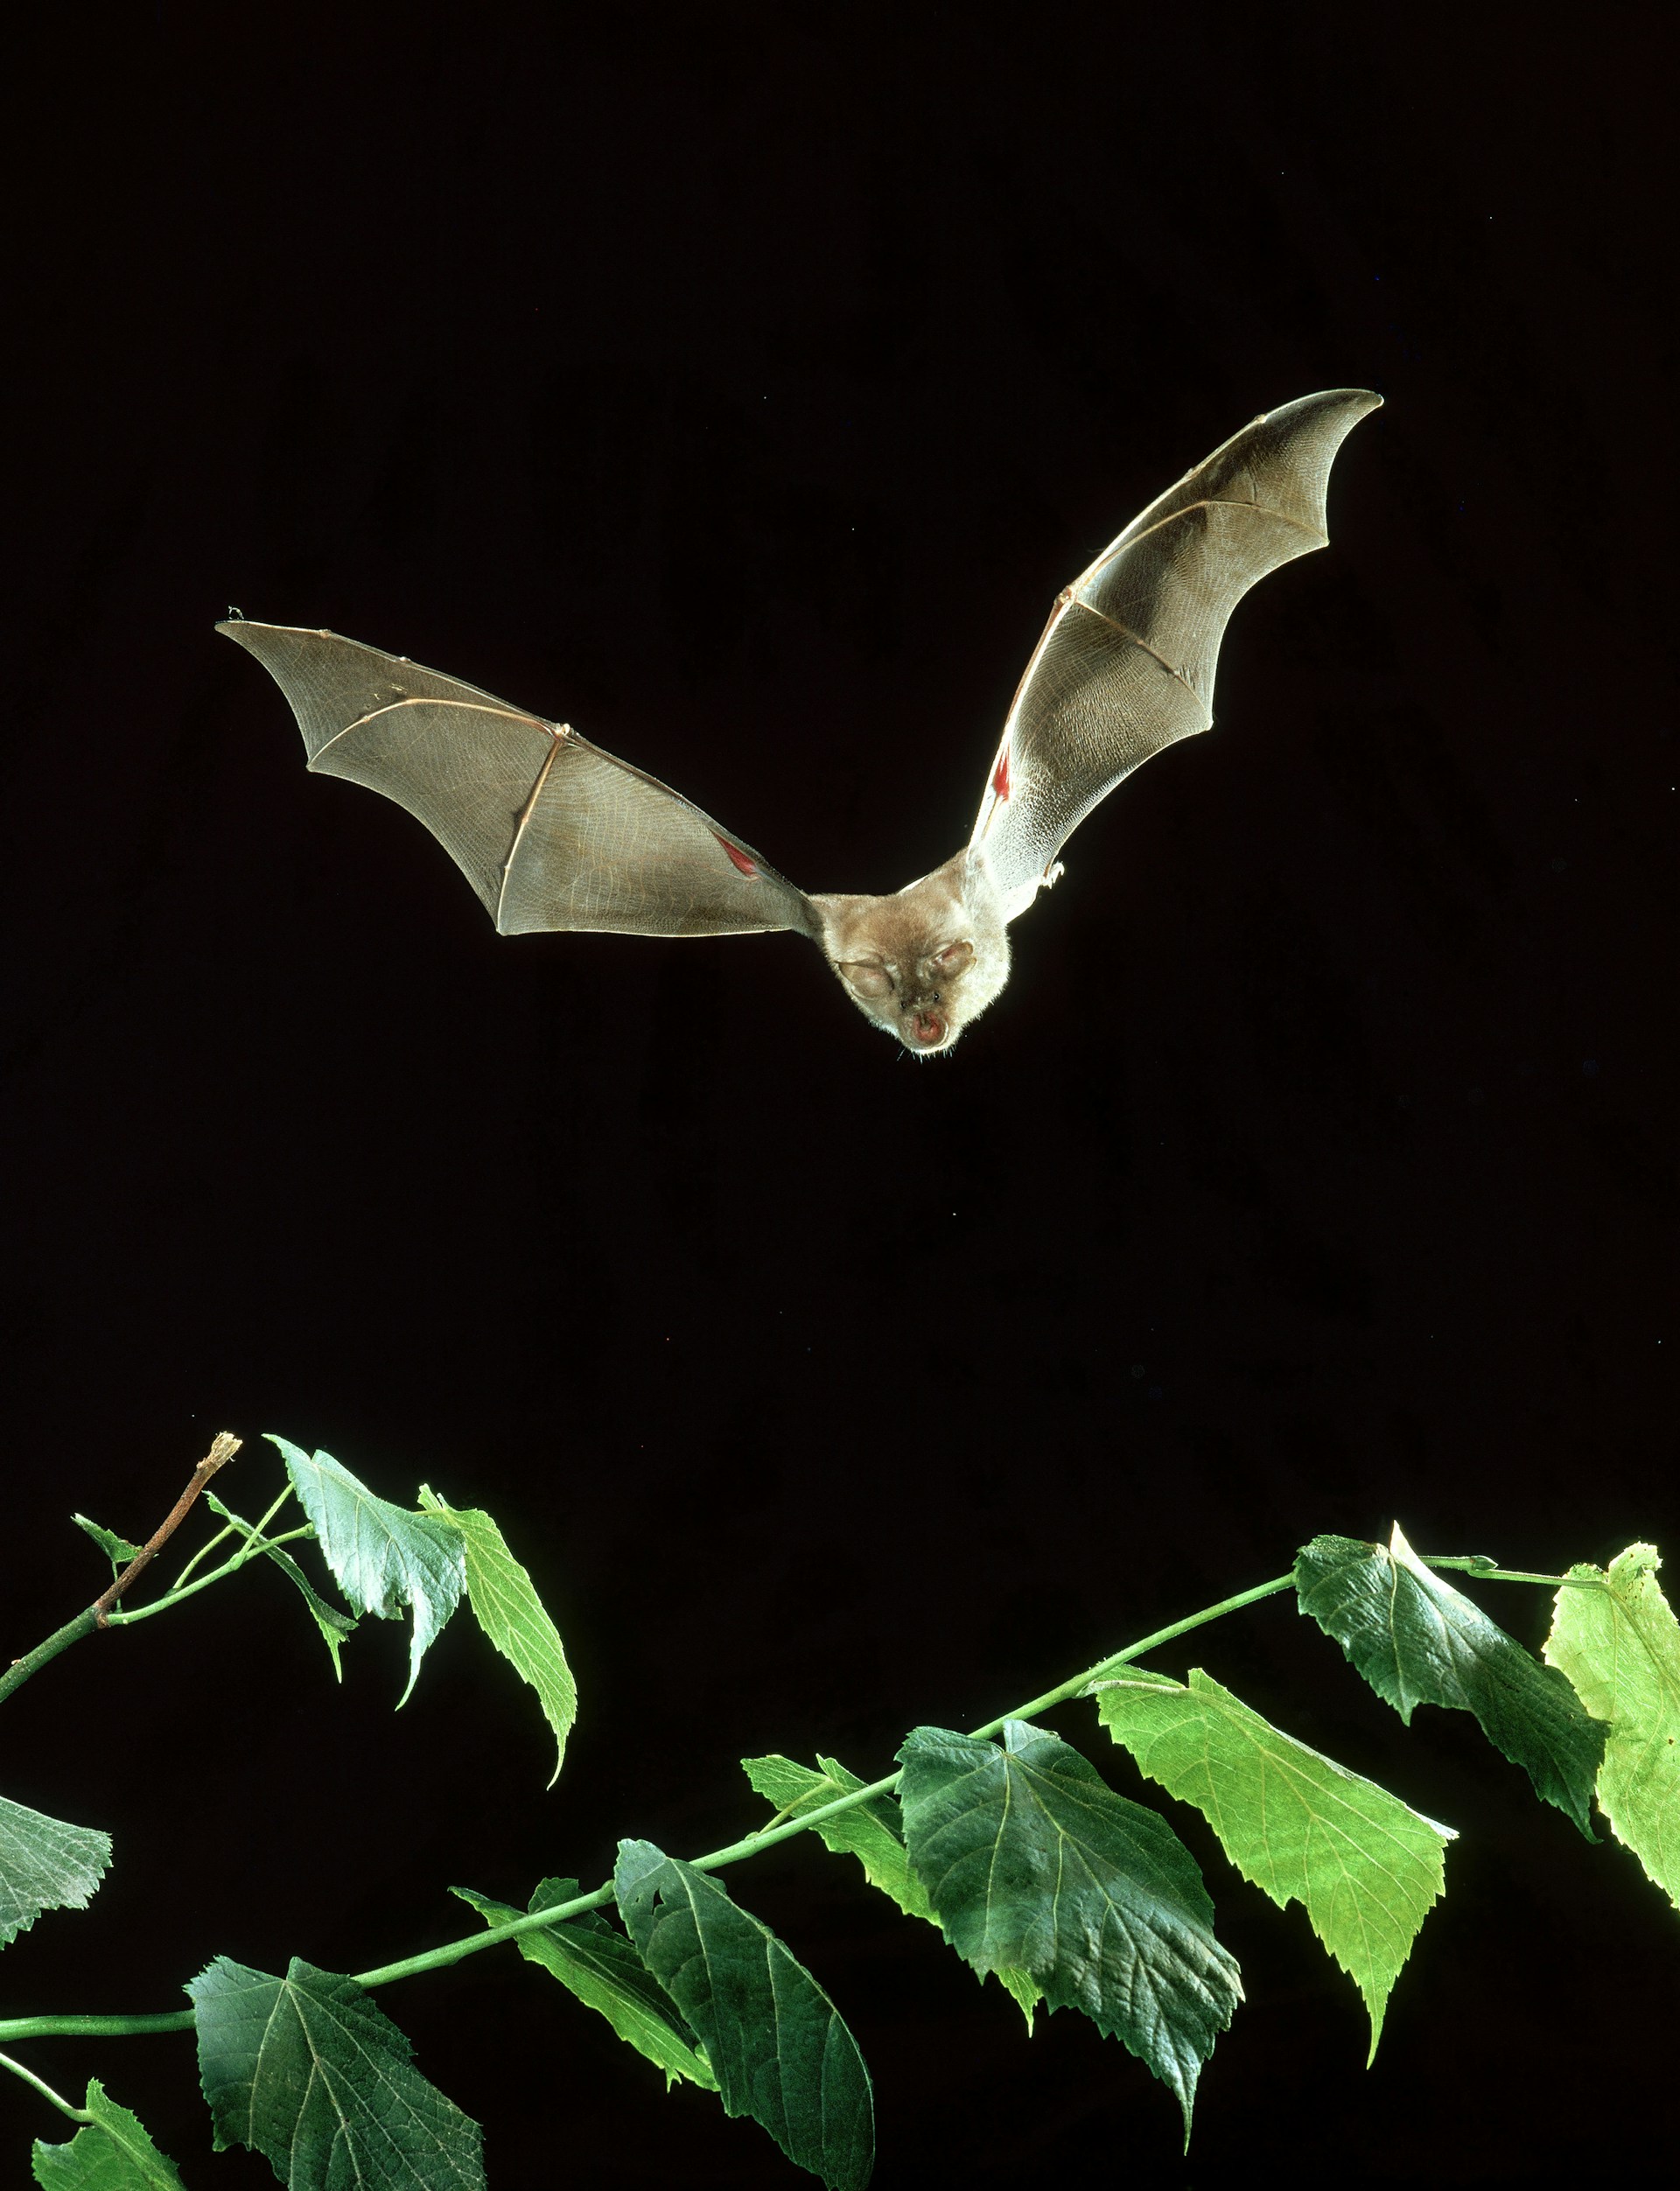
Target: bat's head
{"type": "Point", "coordinates": [925, 962]}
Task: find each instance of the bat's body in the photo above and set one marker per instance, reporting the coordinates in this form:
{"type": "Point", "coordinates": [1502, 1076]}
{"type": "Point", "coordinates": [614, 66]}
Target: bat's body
{"type": "Point", "coordinates": [554, 833]}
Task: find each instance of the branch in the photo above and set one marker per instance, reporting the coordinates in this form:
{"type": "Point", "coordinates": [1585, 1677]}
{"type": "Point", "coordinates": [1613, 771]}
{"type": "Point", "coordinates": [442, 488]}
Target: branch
{"type": "Point", "coordinates": [222, 1449]}
{"type": "Point", "coordinates": [766, 1837]}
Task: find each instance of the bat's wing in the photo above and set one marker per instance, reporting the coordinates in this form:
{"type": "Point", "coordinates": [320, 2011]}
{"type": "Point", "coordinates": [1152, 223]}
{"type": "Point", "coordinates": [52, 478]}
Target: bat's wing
{"type": "Point", "coordinates": [550, 831]}
{"type": "Point", "coordinates": [1126, 662]}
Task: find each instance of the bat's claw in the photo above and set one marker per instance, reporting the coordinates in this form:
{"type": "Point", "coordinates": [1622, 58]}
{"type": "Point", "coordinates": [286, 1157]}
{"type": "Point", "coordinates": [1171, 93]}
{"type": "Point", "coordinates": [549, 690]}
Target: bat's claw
{"type": "Point", "coordinates": [1053, 875]}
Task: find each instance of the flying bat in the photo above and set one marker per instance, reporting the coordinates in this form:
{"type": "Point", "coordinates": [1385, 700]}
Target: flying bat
{"type": "Point", "coordinates": [554, 832]}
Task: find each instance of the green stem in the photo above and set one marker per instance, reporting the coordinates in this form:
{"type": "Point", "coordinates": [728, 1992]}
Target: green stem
{"type": "Point", "coordinates": [76, 2114]}
{"type": "Point", "coordinates": [223, 1447]}
{"type": "Point", "coordinates": [95, 2027]}
{"type": "Point", "coordinates": [233, 1522]}
{"type": "Point", "coordinates": [1135, 1650]}
{"type": "Point", "coordinates": [1483, 1570]}
{"type": "Point", "coordinates": [248, 1551]}
{"type": "Point", "coordinates": [86, 1623]}
{"type": "Point", "coordinates": [199, 1558]}
{"type": "Point", "coordinates": [768, 1836]}
{"type": "Point", "coordinates": [750, 1845]}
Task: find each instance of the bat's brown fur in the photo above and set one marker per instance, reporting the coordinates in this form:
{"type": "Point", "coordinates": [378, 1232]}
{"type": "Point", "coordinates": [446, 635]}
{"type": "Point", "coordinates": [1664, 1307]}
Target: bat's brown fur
{"type": "Point", "coordinates": [925, 962]}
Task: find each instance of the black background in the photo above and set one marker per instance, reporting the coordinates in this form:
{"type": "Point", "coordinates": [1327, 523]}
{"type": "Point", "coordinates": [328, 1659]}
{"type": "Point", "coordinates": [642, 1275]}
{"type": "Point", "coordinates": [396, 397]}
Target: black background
{"type": "Point", "coordinates": [742, 389]}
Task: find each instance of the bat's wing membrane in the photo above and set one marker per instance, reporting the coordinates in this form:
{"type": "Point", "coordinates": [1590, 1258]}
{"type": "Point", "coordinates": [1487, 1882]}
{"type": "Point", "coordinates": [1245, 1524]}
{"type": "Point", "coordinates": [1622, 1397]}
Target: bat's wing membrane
{"type": "Point", "coordinates": [550, 830]}
{"type": "Point", "coordinates": [1125, 665]}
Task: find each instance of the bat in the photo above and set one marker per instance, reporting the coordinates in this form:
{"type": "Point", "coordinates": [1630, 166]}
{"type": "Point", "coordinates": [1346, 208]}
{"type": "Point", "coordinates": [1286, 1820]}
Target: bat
{"type": "Point", "coordinates": [554, 832]}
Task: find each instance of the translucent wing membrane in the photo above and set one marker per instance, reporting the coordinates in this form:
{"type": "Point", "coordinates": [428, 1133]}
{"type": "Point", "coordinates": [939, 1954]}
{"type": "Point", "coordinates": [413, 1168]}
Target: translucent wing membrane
{"type": "Point", "coordinates": [1126, 663]}
{"type": "Point", "coordinates": [550, 830]}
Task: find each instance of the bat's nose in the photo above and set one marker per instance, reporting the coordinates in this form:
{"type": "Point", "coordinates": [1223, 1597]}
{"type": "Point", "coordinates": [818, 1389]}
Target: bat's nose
{"type": "Point", "coordinates": [928, 1028]}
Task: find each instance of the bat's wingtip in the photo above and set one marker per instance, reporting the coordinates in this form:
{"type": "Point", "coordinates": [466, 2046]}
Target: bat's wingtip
{"type": "Point", "coordinates": [1360, 401]}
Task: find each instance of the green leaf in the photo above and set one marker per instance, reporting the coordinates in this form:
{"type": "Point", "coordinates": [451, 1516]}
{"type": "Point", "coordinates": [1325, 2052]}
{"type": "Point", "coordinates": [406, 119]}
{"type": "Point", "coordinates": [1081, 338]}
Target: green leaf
{"type": "Point", "coordinates": [116, 1549]}
{"type": "Point", "coordinates": [776, 2042]}
{"type": "Point", "coordinates": [308, 2072]}
{"type": "Point", "coordinates": [873, 1833]}
{"type": "Point", "coordinates": [1301, 1828]}
{"type": "Point", "coordinates": [504, 1600]}
{"type": "Point", "coordinates": [1418, 1641]}
{"type": "Point", "coordinates": [333, 1623]}
{"type": "Point", "coordinates": [1620, 1646]}
{"type": "Point", "coordinates": [382, 1555]}
{"type": "Point", "coordinates": [1032, 1863]}
{"type": "Point", "coordinates": [602, 1968]}
{"type": "Point", "coordinates": [114, 2153]}
{"type": "Point", "coordinates": [44, 1864]}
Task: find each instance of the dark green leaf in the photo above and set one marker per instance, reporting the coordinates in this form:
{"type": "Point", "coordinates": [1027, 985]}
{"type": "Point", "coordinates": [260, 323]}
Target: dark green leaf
{"type": "Point", "coordinates": [114, 2153]}
{"type": "Point", "coordinates": [602, 1968]}
{"type": "Point", "coordinates": [1419, 1642]}
{"type": "Point", "coordinates": [307, 2071]}
{"type": "Point", "coordinates": [775, 2041]}
{"type": "Point", "coordinates": [382, 1555]}
{"type": "Point", "coordinates": [116, 1549]}
{"type": "Point", "coordinates": [333, 1623]}
{"type": "Point", "coordinates": [44, 1864]}
{"type": "Point", "coordinates": [506, 1608]}
{"type": "Point", "coordinates": [1032, 1863]}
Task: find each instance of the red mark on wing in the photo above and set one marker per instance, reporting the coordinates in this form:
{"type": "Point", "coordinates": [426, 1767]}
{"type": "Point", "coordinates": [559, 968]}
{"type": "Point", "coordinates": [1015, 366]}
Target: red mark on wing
{"type": "Point", "coordinates": [1000, 774]}
{"type": "Point", "coordinates": [738, 856]}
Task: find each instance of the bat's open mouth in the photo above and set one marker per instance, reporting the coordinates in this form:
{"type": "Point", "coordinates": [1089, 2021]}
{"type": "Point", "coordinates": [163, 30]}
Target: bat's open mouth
{"type": "Point", "coordinates": [927, 1028]}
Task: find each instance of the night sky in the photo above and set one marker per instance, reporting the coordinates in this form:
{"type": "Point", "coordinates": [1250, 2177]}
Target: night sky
{"type": "Point", "coordinates": [742, 389]}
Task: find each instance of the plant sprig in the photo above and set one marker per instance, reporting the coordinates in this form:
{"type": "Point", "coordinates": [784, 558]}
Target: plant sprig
{"type": "Point", "coordinates": [1007, 1839]}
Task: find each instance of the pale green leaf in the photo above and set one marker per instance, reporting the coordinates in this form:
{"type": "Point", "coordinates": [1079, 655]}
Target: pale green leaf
{"type": "Point", "coordinates": [505, 1603]}
{"type": "Point", "coordinates": [116, 1549]}
{"type": "Point", "coordinates": [873, 1833]}
{"type": "Point", "coordinates": [1418, 1641]}
{"type": "Point", "coordinates": [776, 2043]}
{"type": "Point", "coordinates": [308, 2072]}
{"type": "Point", "coordinates": [1364, 1866]}
{"type": "Point", "coordinates": [44, 1864]}
{"type": "Point", "coordinates": [1032, 1863]}
{"type": "Point", "coordinates": [114, 2153]}
{"type": "Point", "coordinates": [382, 1555]}
{"type": "Point", "coordinates": [602, 1968]}
{"type": "Point", "coordinates": [1620, 1646]}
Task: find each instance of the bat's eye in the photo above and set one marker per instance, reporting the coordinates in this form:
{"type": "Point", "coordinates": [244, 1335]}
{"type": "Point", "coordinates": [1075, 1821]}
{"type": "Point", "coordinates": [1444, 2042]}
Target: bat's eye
{"type": "Point", "coordinates": [867, 978]}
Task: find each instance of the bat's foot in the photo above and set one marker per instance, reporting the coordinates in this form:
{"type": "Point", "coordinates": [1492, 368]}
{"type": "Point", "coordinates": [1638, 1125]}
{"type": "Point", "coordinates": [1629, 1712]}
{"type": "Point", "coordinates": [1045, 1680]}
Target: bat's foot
{"type": "Point", "coordinates": [1053, 875]}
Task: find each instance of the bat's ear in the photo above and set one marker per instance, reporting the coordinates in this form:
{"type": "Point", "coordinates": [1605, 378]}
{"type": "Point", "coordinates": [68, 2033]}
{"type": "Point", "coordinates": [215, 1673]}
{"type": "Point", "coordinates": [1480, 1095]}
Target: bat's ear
{"type": "Point", "coordinates": [868, 976]}
{"type": "Point", "coordinates": [952, 959]}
